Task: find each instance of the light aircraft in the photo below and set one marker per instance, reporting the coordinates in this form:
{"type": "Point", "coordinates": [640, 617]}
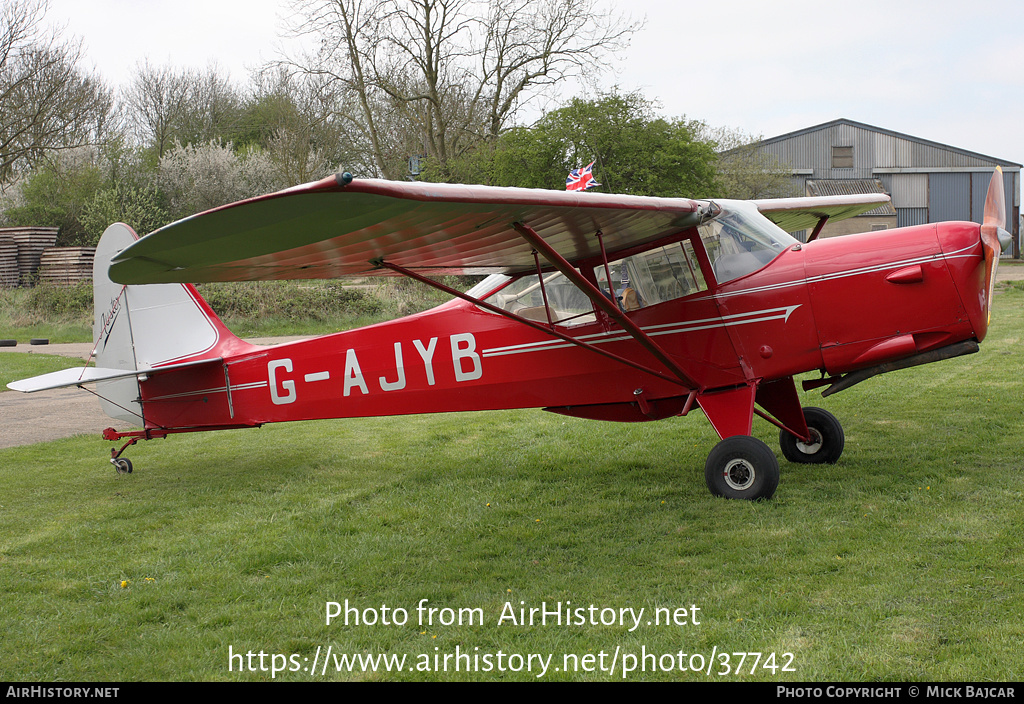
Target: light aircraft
{"type": "Point", "coordinates": [599, 306]}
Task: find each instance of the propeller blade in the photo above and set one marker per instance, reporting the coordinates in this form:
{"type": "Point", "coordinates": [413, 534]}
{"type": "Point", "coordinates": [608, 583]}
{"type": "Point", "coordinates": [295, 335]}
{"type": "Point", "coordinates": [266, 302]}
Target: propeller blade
{"type": "Point", "coordinates": [994, 222]}
{"type": "Point", "coordinates": [995, 201]}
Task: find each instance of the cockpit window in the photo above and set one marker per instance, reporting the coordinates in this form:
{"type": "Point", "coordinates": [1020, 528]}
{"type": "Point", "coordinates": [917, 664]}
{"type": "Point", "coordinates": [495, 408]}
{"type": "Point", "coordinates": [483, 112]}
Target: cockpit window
{"type": "Point", "coordinates": [567, 304]}
{"type": "Point", "coordinates": [739, 240]}
{"type": "Point", "coordinates": [655, 276]}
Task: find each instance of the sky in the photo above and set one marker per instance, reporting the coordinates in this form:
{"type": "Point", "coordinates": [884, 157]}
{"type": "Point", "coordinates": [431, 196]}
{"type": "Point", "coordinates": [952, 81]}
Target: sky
{"type": "Point", "coordinates": [950, 72]}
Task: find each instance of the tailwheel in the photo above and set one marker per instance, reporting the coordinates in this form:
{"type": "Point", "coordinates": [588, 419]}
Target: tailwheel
{"type": "Point", "coordinates": [122, 465]}
{"type": "Point", "coordinates": [826, 444]}
{"type": "Point", "coordinates": [742, 467]}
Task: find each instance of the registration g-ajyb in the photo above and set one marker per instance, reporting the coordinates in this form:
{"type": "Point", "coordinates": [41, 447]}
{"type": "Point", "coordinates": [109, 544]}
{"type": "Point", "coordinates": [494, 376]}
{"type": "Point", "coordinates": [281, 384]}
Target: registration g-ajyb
{"type": "Point", "coordinates": [599, 306]}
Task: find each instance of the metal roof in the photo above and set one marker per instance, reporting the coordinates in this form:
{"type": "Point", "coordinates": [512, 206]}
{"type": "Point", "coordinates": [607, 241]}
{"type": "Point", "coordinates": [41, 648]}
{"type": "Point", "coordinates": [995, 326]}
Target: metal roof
{"type": "Point", "coordinates": [891, 133]}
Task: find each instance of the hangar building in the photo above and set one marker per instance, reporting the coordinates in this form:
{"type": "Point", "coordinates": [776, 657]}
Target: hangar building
{"type": "Point", "coordinates": [928, 181]}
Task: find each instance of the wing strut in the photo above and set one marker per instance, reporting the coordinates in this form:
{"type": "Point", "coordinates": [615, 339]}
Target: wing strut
{"type": "Point", "coordinates": [817, 228]}
{"type": "Point", "coordinates": [519, 319]}
{"type": "Point", "coordinates": [602, 302]}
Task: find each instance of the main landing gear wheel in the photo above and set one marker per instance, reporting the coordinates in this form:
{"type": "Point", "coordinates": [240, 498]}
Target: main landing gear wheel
{"type": "Point", "coordinates": [827, 439]}
{"type": "Point", "coordinates": [742, 467]}
{"type": "Point", "coordinates": [122, 465]}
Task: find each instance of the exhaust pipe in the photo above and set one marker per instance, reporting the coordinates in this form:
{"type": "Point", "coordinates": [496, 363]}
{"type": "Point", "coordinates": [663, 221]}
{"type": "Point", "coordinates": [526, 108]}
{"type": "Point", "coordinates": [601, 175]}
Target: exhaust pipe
{"type": "Point", "coordinates": [845, 381]}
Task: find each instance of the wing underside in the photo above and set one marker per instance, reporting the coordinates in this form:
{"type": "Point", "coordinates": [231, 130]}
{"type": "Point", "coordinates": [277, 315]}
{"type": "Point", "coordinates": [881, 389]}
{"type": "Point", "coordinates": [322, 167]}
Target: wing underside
{"type": "Point", "coordinates": [334, 228]}
{"type": "Point", "coordinates": [343, 227]}
{"type": "Point", "coordinates": [793, 214]}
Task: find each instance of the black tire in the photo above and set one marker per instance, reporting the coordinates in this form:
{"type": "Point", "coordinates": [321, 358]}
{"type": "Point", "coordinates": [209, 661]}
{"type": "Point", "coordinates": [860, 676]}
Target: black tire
{"type": "Point", "coordinates": [122, 465]}
{"type": "Point", "coordinates": [39, 341]}
{"type": "Point", "coordinates": [8, 343]}
{"type": "Point", "coordinates": [742, 467]}
{"type": "Point", "coordinates": [828, 436]}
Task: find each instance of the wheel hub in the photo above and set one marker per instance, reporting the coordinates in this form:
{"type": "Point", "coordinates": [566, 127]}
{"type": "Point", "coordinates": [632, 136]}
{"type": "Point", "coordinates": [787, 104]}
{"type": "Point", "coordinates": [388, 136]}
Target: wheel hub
{"type": "Point", "coordinates": [739, 474]}
{"type": "Point", "coordinates": [809, 448]}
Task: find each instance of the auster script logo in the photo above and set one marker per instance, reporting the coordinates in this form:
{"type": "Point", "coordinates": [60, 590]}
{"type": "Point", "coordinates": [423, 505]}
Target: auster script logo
{"type": "Point", "coordinates": [108, 318]}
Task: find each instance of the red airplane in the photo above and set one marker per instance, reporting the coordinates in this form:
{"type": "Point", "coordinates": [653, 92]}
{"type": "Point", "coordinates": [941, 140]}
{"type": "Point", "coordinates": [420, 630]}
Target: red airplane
{"type": "Point", "coordinates": [608, 307]}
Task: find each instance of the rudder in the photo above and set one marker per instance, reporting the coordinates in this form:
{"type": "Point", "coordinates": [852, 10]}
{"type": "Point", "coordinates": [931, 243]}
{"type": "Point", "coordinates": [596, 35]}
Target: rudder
{"type": "Point", "coordinates": [141, 327]}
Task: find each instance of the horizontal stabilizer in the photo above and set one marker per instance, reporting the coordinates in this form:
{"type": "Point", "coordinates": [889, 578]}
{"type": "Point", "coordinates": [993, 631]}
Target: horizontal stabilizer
{"type": "Point", "coordinates": [76, 376]}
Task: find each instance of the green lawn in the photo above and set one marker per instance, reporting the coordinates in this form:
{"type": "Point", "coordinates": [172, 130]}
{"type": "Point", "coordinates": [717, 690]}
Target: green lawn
{"type": "Point", "coordinates": [901, 562]}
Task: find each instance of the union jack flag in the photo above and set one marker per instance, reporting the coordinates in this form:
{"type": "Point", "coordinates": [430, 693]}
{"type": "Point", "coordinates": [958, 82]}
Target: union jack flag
{"type": "Point", "coordinates": [581, 179]}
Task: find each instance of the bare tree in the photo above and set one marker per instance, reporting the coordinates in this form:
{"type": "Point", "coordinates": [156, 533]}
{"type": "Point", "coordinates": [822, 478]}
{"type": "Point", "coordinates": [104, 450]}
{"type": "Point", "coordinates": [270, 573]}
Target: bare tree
{"type": "Point", "coordinates": [532, 44]}
{"type": "Point", "coordinates": [46, 101]}
{"type": "Point", "coordinates": [186, 106]}
{"type": "Point", "coordinates": [156, 98]}
{"type": "Point", "coordinates": [436, 77]}
{"type": "Point", "coordinates": [292, 120]}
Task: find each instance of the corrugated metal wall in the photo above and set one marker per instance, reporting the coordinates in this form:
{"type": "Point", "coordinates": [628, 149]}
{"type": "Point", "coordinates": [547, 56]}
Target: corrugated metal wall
{"type": "Point", "coordinates": [909, 190]}
{"type": "Point", "coordinates": [949, 197]}
{"type": "Point", "coordinates": [979, 191]}
{"type": "Point", "coordinates": [905, 217]}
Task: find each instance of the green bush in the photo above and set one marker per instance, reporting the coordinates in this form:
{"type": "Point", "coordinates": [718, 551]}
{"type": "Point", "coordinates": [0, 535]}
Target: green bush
{"type": "Point", "coordinates": [54, 196]}
{"type": "Point", "coordinates": [305, 300]}
{"type": "Point", "coordinates": [136, 206]}
{"type": "Point", "coordinates": [49, 300]}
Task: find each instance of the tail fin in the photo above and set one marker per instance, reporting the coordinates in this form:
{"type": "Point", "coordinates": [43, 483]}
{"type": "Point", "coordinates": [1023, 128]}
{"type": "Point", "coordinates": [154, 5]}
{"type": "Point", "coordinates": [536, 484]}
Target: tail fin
{"type": "Point", "coordinates": [142, 327]}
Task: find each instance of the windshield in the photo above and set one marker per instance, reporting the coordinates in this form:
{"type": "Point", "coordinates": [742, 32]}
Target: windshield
{"type": "Point", "coordinates": [740, 240]}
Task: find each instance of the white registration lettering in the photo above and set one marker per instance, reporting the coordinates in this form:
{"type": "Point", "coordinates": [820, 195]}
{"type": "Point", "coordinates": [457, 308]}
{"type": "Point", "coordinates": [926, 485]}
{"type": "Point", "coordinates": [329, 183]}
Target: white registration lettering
{"type": "Point", "coordinates": [427, 355]}
{"type": "Point", "coordinates": [398, 385]}
{"type": "Point", "coordinates": [287, 385]}
{"type": "Point", "coordinates": [353, 374]}
{"type": "Point", "coordinates": [460, 353]}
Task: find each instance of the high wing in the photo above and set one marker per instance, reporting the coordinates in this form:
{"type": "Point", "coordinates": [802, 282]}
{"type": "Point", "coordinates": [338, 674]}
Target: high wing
{"type": "Point", "coordinates": [339, 226]}
{"type": "Point", "coordinates": [792, 214]}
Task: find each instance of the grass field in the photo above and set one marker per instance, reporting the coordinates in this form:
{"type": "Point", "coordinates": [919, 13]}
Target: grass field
{"type": "Point", "coordinates": [902, 562]}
